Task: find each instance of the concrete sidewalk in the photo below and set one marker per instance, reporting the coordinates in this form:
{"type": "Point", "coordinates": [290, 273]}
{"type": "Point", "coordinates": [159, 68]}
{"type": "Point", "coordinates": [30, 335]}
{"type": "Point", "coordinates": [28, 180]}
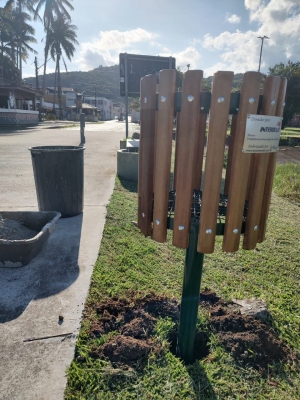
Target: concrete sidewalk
{"type": "Point", "coordinates": [56, 282]}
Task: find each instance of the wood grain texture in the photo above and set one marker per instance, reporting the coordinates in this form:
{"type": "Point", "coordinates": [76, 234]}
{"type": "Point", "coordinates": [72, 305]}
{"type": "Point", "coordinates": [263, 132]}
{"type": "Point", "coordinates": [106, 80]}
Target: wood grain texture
{"type": "Point", "coordinates": [230, 154]}
{"type": "Point", "coordinates": [176, 145]}
{"type": "Point", "coordinates": [197, 177]}
{"type": "Point", "coordinates": [218, 122]}
{"type": "Point", "coordinates": [163, 153]}
{"type": "Point", "coordinates": [185, 154]}
{"type": "Point", "coordinates": [259, 165]}
{"type": "Point", "coordinates": [146, 153]}
{"type": "Point", "coordinates": [240, 162]}
{"type": "Point", "coordinates": [271, 168]}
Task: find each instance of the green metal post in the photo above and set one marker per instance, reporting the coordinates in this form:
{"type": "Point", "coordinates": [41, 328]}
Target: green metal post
{"type": "Point", "coordinates": [190, 298]}
{"type": "Point", "coordinates": [82, 125]}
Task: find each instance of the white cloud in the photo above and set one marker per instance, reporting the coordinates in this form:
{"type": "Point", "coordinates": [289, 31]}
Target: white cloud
{"type": "Point", "coordinates": [217, 67]}
{"type": "Point", "coordinates": [106, 49]}
{"type": "Point", "coordinates": [188, 56]}
{"type": "Point", "coordinates": [233, 19]}
{"type": "Point", "coordinates": [278, 19]}
{"type": "Point", "coordinates": [252, 4]}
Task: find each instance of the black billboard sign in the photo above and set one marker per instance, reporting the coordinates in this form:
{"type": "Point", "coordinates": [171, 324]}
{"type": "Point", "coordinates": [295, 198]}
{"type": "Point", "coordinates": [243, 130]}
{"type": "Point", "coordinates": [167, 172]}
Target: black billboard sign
{"type": "Point", "coordinates": [137, 66]}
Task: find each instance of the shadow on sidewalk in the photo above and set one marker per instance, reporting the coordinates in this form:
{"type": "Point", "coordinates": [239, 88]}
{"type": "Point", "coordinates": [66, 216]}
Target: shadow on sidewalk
{"type": "Point", "coordinates": [53, 270]}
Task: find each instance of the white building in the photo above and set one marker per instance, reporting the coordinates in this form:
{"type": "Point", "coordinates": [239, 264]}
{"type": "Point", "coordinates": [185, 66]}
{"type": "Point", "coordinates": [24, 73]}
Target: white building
{"type": "Point", "coordinates": [104, 106]}
{"type": "Point", "coordinates": [68, 96]}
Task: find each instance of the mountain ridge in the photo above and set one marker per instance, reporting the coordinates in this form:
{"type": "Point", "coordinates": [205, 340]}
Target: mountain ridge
{"type": "Point", "coordinates": [102, 81]}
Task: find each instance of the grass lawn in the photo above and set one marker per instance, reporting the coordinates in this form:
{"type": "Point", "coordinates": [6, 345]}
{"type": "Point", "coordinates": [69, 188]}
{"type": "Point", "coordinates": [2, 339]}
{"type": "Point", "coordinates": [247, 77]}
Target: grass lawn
{"type": "Point", "coordinates": [287, 181]}
{"type": "Point", "coordinates": [130, 262]}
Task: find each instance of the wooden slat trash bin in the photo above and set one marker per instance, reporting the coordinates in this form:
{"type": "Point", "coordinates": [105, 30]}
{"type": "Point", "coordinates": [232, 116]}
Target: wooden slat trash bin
{"type": "Point", "coordinates": [199, 203]}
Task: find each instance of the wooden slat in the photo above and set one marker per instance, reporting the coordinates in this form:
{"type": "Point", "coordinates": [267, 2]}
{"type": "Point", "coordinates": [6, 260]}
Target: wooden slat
{"type": "Point", "coordinates": [197, 177]}
{"type": "Point", "coordinates": [259, 169]}
{"type": "Point", "coordinates": [187, 140]}
{"type": "Point", "coordinates": [251, 176]}
{"type": "Point", "coordinates": [271, 168]}
{"type": "Point", "coordinates": [218, 122]}
{"type": "Point", "coordinates": [163, 153]}
{"type": "Point", "coordinates": [176, 145]}
{"type": "Point", "coordinates": [240, 163]}
{"type": "Point", "coordinates": [230, 154]}
{"type": "Point", "coordinates": [146, 153]}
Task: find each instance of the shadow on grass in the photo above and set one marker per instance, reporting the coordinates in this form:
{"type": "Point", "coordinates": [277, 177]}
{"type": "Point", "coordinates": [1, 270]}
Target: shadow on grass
{"type": "Point", "coordinates": [131, 186]}
{"type": "Point", "coordinates": [201, 384]}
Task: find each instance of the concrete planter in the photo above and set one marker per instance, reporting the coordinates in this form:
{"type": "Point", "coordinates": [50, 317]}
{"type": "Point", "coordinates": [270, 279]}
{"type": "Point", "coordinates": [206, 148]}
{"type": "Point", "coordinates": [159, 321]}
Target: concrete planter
{"type": "Point", "coordinates": [127, 164]}
{"type": "Point", "coordinates": [123, 144]}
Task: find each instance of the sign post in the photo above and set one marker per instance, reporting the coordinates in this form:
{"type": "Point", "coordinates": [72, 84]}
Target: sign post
{"type": "Point", "coordinates": [133, 67]}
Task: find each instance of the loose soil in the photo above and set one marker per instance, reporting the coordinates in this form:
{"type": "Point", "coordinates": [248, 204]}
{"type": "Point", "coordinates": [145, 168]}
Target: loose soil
{"type": "Point", "coordinates": [250, 341]}
{"type": "Point", "coordinates": [14, 230]}
{"type": "Point", "coordinates": [132, 321]}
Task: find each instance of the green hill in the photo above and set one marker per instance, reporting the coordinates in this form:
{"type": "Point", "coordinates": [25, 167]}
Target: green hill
{"type": "Point", "coordinates": [104, 80]}
{"type": "Point", "coordinates": [237, 79]}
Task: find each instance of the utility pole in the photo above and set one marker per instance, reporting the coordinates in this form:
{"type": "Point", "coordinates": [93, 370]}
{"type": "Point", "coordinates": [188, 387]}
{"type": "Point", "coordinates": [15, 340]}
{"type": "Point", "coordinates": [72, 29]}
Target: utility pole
{"type": "Point", "coordinates": [262, 43]}
{"type": "Point", "coordinates": [188, 66]}
{"type": "Point", "coordinates": [95, 97]}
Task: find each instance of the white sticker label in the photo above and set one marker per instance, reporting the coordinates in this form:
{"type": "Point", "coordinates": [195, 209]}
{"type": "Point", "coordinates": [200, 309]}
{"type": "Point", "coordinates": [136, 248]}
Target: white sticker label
{"type": "Point", "coordinates": [262, 134]}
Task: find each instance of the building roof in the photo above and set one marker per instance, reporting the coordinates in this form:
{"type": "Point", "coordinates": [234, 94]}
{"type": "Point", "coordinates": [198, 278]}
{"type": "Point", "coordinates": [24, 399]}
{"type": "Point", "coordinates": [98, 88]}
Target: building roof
{"type": "Point", "coordinates": [64, 89]}
{"type": "Point", "coordinates": [7, 84]}
{"type": "Point", "coordinates": [87, 106]}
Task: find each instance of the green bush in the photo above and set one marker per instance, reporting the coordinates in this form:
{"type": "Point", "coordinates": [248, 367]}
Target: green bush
{"type": "Point", "coordinates": [287, 181]}
{"type": "Point", "coordinates": [51, 117]}
{"type": "Point", "coordinates": [289, 140]}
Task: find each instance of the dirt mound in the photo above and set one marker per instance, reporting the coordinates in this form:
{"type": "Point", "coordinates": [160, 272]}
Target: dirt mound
{"type": "Point", "coordinates": [14, 230]}
{"type": "Point", "coordinates": [126, 349]}
{"type": "Point", "coordinates": [249, 341]}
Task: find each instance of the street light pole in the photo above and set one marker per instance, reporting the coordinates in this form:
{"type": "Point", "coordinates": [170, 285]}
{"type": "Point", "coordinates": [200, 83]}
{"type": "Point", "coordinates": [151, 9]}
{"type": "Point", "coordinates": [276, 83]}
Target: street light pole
{"type": "Point", "coordinates": [262, 43]}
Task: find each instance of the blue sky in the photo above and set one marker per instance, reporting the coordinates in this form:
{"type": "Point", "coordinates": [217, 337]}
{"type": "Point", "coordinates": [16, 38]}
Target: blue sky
{"type": "Point", "coordinates": [210, 35]}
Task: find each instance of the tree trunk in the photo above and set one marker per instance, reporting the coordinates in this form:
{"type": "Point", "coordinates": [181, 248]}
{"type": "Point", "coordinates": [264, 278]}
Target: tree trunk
{"type": "Point", "coordinates": [59, 86]}
{"type": "Point", "coordinates": [44, 74]}
{"type": "Point", "coordinates": [20, 43]}
{"type": "Point", "coordinates": [45, 60]}
{"type": "Point", "coordinates": [2, 50]}
{"type": "Point", "coordinates": [54, 88]}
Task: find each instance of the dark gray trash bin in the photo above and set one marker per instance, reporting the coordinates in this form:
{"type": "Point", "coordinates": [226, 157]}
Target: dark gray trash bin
{"type": "Point", "coordinates": [58, 175]}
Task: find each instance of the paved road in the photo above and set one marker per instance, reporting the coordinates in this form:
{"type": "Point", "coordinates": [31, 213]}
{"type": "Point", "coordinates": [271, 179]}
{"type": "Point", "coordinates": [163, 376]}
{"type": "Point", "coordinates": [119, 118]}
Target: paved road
{"type": "Point", "coordinates": [106, 126]}
{"type": "Point", "coordinates": [57, 280]}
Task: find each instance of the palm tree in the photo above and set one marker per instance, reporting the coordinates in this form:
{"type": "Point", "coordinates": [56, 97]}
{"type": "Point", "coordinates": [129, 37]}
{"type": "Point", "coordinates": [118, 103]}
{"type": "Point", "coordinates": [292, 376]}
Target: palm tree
{"type": "Point", "coordinates": [61, 37]}
{"type": "Point", "coordinates": [6, 32]}
{"type": "Point", "coordinates": [22, 38]}
{"type": "Point", "coordinates": [52, 10]}
{"type": "Point", "coordinates": [22, 17]}
{"type": "Point", "coordinates": [16, 35]}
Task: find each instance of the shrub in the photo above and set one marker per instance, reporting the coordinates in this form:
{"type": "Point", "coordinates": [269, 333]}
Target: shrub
{"type": "Point", "coordinates": [51, 117]}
